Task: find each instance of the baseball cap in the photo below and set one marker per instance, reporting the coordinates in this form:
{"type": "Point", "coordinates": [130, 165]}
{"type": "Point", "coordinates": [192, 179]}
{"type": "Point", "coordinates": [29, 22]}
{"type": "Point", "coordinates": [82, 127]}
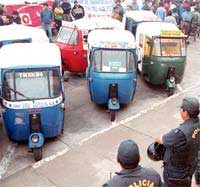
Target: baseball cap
{"type": "Point", "coordinates": [128, 153]}
{"type": "Point", "coordinates": [190, 104]}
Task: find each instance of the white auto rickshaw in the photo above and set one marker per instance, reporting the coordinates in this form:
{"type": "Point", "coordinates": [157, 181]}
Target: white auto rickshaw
{"type": "Point", "coordinates": [133, 18]}
{"type": "Point", "coordinates": [21, 34]}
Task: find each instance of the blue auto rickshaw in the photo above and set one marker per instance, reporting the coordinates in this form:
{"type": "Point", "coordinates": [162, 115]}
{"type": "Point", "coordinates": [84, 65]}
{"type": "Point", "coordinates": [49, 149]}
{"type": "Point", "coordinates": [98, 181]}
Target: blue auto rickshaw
{"type": "Point", "coordinates": [32, 93]}
{"type": "Point", "coordinates": [111, 72]}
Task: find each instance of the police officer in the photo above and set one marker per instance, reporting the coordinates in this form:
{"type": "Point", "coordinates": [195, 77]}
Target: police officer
{"type": "Point", "coordinates": [132, 174]}
{"type": "Point", "coordinates": [182, 145]}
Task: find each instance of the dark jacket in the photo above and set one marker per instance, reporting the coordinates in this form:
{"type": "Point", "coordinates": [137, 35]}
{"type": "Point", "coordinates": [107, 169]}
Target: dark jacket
{"type": "Point", "coordinates": [78, 12]}
{"type": "Point", "coordinates": [135, 177]}
{"type": "Point", "coordinates": [180, 157]}
{"type": "Point", "coordinates": [66, 7]}
{"type": "Point", "coordinates": [16, 20]}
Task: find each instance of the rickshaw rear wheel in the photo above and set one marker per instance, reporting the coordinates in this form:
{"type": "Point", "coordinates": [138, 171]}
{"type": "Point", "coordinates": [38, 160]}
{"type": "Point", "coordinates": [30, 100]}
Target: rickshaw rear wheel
{"type": "Point", "coordinates": [170, 92]}
{"type": "Point", "coordinates": [37, 152]}
{"type": "Point", "coordinates": [112, 115]}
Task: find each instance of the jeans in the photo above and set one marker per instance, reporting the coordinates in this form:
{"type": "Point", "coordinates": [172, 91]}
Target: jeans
{"type": "Point", "coordinates": [47, 29]}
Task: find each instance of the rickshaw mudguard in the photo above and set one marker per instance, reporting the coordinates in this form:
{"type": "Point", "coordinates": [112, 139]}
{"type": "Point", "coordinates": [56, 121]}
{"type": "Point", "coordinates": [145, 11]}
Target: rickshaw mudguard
{"type": "Point", "coordinates": [170, 84]}
{"type": "Point", "coordinates": [112, 106]}
{"type": "Point", "coordinates": [39, 143]}
{"type": "Point", "coordinates": [99, 86]}
{"type": "Point", "coordinates": [156, 68]}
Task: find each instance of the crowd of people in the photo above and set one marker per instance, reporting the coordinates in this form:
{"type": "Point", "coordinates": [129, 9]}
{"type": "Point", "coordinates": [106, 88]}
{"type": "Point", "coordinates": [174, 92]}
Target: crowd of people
{"type": "Point", "coordinates": [181, 13]}
{"type": "Point", "coordinates": [61, 11]}
{"type": "Point", "coordinates": [6, 18]}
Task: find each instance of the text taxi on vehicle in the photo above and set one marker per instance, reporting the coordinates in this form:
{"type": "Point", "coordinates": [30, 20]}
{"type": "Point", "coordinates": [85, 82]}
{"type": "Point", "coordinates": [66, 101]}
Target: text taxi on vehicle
{"type": "Point", "coordinates": [32, 94]}
{"type": "Point", "coordinates": [111, 72]}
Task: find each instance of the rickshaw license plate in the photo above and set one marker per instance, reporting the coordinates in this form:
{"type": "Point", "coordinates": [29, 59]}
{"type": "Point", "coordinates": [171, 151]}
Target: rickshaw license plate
{"type": "Point", "coordinates": [115, 64]}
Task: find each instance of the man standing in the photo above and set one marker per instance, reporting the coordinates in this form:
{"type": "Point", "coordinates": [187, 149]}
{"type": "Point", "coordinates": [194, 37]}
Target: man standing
{"type": "Point", "coordinates": [182, 145]}
{"type": "Point", "coordinates": [77, 11]}
{"type": "Point", "coordinates": [132, 174]}
{"type": "Point", "coordinates": [169, 18]}
{"type": "Point", "coordinates": [161, 12]}
{"type": "Point", "coordinates": [118, 10]}
{"type": "Point", "coordinates": [46, 17]}
{"type": "Point", "coordinates": [66, 6]}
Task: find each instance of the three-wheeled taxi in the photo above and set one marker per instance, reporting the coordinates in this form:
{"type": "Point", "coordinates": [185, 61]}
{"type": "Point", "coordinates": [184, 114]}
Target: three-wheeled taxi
{"type": "Point", "coordinates": [134, 17]}
{"type": "Point", "coordinates": [32, 93]}
{"type": "Point", "coordinates": [16, 33]}
{"type": "Point", "coordinates": [111, 72]}
{"type": "Point", "coordinates": [161, 49]}
{"type": "Point", "coordinates": [72, 41]}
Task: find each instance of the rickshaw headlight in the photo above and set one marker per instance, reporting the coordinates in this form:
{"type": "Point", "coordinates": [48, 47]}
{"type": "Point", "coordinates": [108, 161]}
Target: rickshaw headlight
{"type": "Point", "coordinates": [114, 101]}
{"type": "Point", "coordinates": [172, 79]}
{"type": "Point", "coordinates": [35, 138]}
{"type": "Point", "coordinates": [62, 105]}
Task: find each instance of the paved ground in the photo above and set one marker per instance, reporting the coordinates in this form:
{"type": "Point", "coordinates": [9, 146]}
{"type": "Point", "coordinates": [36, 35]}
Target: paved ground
{"type": "Point", "coordinates": [90, 164]}
{"type": "Point", "coordinates": [87, 150]}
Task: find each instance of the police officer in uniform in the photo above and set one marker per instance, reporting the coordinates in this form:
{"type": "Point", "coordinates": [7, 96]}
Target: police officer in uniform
{"type": "Point", "coordinates": [182, 145]}
{"type": "Point", "coordinates": [132, 174]}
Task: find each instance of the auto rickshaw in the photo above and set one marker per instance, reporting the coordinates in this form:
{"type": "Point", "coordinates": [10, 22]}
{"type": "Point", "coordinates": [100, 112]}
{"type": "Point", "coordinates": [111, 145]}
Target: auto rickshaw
{"type": "Point", "coordinates": [111, 72]}
{"type": "Point", "coordinates": [32, 94]}
{"type": "Point", "coordinates": [134, 17]}
{"type": "Point", "coordinates": [16, 33]}
{"type": "Point", "coordinates": [72, 40]}
{"type": "Point", "coordinates": [161, 49]}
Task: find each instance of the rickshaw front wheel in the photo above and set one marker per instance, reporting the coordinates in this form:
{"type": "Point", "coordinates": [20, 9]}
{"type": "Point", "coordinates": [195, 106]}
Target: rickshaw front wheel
{"type": "Point", "coordinates": [112, 115]}
{"type": "Point", "coordinates": [170, 92]}
{"type": "Point", "coordinates": [37, 152]}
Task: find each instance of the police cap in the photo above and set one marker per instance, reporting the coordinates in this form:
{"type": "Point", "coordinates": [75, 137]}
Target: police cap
{"type": "Point", "coordinates": [128, 153]}
{"type": "Point", "coordinates": [191, 105]}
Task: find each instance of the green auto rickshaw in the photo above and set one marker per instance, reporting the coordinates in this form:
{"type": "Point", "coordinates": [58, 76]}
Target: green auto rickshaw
{"type": "Point", "coordinates": [161, 49]}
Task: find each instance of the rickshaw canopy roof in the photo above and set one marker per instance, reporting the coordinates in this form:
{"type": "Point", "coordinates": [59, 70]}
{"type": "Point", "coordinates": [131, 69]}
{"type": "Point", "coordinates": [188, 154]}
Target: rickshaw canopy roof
{"type": "Point", "coordinates": [153, 29]}
{"type": "Point", "coordinates": [95, 23]}
{"type": "Point", "coordinates": [141, 15]}
{"type": "Point", "coordinates": [25, 55]}
{"type": "Point", "coordinates": [111, 39]}
{"type": "Point", "coordinates": [17, 31]}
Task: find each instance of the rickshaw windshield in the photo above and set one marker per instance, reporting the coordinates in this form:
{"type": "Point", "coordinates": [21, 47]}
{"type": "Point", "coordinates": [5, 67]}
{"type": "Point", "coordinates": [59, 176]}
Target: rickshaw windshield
{"type": "Point", "coordinates": [28, 40]}
{"type": "Point", "coordinates": [68, 36]}
{"type": "Point", "coordinates": [175, 47]}
{"type": "Point", "coordinates": [23, 85]}
{"type": "Point", "coordinates": [113, 61]}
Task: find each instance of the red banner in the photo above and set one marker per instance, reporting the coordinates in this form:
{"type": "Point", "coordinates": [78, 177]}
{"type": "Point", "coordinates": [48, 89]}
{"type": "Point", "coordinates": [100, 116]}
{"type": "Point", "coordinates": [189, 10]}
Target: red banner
{"type": "Point", "coordinates": [29, 13]}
